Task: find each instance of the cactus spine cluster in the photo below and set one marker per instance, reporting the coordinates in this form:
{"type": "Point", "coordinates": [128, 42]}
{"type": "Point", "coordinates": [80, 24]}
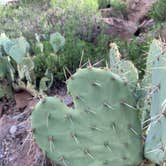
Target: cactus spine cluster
{"type": "Point", "coordinates": [104, 127]}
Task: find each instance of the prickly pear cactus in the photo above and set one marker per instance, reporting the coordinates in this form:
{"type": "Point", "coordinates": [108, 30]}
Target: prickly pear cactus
{"type": "Point", "coordinates": [155, 50]}
{"type": "Point", "coordinates": [25, 69]}
{"type": "Point", "coordinates": [146, 84]}
{"type": "Point", "coordinates": [18, 51]}
{"type": "Point", "coordinates": [15, 48]}
{"type": "Point", "coordinates": [124, 68]}
{"type": "Point", "coordinates": [57, 41]}
{"type": "Point", "coordinates": [46, 81]}
{"type": "Point", "coordinates": [5, 42]}
{"type": "Point", "coordinates": [155, 145]}
{"type": "Point", "coordinates": [102, 129]}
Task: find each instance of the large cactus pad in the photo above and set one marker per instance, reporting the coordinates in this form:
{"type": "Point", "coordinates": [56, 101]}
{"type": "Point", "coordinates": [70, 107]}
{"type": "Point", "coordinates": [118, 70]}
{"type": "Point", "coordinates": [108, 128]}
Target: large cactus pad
{"type": "Point", "coordinates": [155, 146]}
{"type": "Point", "coordinates": [102, 130]}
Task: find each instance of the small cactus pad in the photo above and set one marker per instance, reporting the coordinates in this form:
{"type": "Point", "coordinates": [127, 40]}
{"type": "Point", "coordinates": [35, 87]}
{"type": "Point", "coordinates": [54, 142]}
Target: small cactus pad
{"type": "Point", "coordinates": [57, 41]}
{"type": "Point", "coordinates": [154, 51]}
{"type": "Point", "coordinates": [155, 145]}
{"type": "Point", "coordinates": [123, 68]}
{"type": "Point", "coordinates": [102, 130]}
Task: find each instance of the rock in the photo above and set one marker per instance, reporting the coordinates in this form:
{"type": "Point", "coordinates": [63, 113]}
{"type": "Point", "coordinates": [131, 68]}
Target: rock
{"type": "Point", "coordinates": [1, 110]}
{"type": "Point", "coordinates": [68, 100]}
{"type": "Point", "coordinates": [121, 28]}
{"type": "Point", "coordinates": [6, 123]}
{"type": "Point", "coordinates": [111, 12]}
{"type": "Point", "coordinates": [13, 130]}
{"type": "Point", "coordinates": [137, 9]}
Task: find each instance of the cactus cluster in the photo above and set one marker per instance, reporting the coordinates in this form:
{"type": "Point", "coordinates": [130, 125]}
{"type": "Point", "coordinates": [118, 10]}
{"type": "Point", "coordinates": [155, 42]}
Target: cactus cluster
{"type": "Point", "coordinates": [16, 64]}
{"type": "Point", "coordinates": [18, 67]}
{"type": "Point", "coordinates": [104, 127]}
{"type": "Point", "coordinates": [13, 50]}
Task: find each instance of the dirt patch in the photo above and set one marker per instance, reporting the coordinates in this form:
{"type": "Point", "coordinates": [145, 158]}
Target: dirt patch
{"type": "Point", "coordinates": [22, 99]}
{"type": "Point", "coordinates": [17, 146]}
{"type": "Point", "coordinates": [122, 28]}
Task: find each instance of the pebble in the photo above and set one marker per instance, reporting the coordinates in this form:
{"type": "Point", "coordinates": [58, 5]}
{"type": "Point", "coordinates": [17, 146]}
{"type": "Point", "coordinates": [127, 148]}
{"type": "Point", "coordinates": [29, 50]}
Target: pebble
{"type": "Point", "coordinates": [68, 100]}
{"type": "Point", "coordinates": [4, 2]}
{"type": "Point", "coordinates": [13, 130]}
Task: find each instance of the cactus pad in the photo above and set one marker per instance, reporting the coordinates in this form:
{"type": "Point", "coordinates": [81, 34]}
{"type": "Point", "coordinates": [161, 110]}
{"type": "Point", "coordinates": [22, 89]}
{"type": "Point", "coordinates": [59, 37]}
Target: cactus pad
{"type": "Point", "coordinates": [103, 128]}
{"type": "Point", "coordinates": [57, 41]}
{"type": "Point", "coordinates": [124, 68]}
{"type": "Point", "coordinates": [155, 145]}
{"type": "Point", "coordinates": [15, 48]}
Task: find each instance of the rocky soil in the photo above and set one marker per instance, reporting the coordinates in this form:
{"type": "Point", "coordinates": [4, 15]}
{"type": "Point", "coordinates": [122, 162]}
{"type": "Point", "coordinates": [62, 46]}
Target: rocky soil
{"type": "Point", "coordinates": [17, 147]}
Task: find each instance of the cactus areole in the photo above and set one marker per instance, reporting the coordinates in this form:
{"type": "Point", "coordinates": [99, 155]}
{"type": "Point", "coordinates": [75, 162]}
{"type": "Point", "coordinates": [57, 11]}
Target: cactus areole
{"type": "Point", "coordinates": [102, 129]}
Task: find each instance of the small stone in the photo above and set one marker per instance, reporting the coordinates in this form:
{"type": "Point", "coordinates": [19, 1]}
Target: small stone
{"type": "Point", "coordinates": [133, 6]}
{"type": "Point", "coordinates": [13, 130]}
{"type": "Point", "coordinates": [4, 2]}
{"type": "Point", "coordinates": [68, 100]}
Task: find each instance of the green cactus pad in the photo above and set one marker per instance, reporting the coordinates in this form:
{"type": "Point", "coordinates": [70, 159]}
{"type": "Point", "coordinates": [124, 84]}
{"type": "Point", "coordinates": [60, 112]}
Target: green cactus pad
{"type": "Point", "coordinates": [57, 41]}
{"type": "Point", "coordinates": [16, 48]}
{"type": "Point", "coordinates": [103, 128]}
{"type": "Point", "coordinates": [19, 49]}
{"type": "Point", "coordinates": [124, 68]}
{"type": "Point", "coordinates": [155, 145]}
{"type": "Point", "coordinates": [146, 84]}
{"type": "Point", "coordinates": [25, 69]}
{"type": "Point", "coordinates": [154, 51]}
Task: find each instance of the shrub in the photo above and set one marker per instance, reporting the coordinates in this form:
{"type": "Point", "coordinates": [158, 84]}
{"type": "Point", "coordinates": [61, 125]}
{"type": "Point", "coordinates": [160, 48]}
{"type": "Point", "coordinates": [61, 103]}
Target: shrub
{"type": "Point", "coordinates": [84, 37]}
{"type": "Point", "coordinates": [68, 4]}
{"type": "Point", "coordinates": [79, 22]}
{"type": "Point", "coordinates": [158, 11]}
{"type": "Point", "coordinates": [70, 55]}
{"type": "Point", "coordinates": [119, 5]}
